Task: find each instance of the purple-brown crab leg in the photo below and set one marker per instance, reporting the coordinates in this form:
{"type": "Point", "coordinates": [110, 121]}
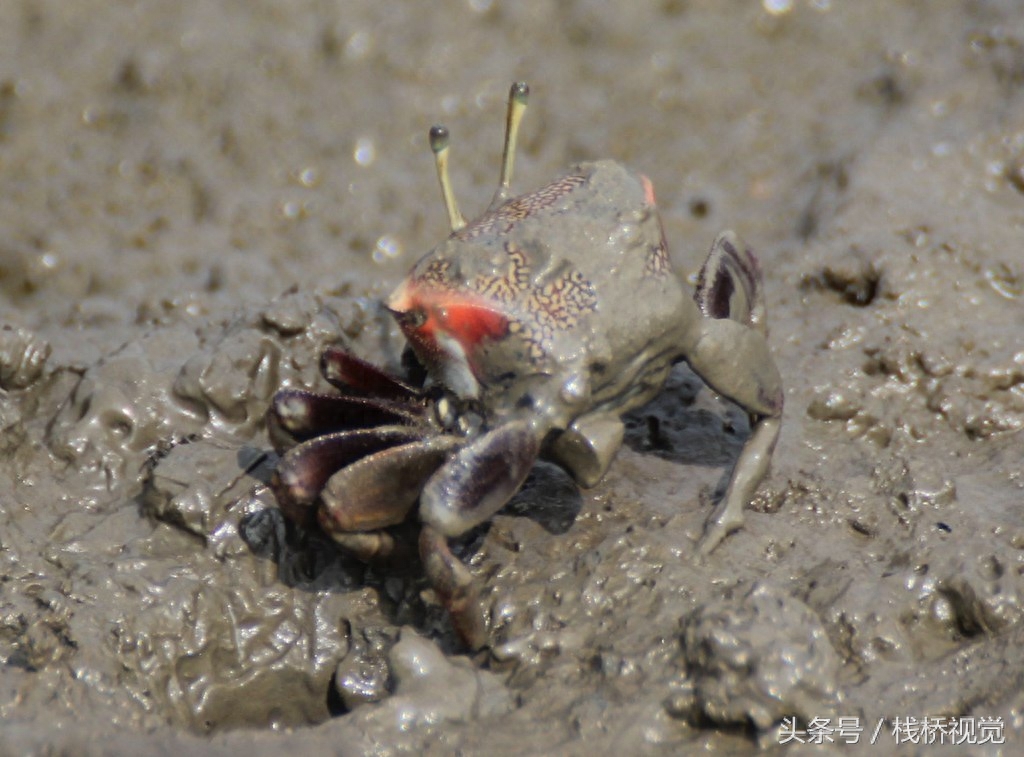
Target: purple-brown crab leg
{"type": "Point", "coordinates": [296, 415]}
{"type": "Point", "coordinates": [379, 490]}
{"type": "Point", "coordinates": [348, 372]}
{"type": "Point", "coordinates": [304, 470]}
{"type": "Point", "coordinates": [373, 546]}
{"type": "Point", "coordinates": [467, 490]}
{"type": "Point", "coordinates": [455, 587]}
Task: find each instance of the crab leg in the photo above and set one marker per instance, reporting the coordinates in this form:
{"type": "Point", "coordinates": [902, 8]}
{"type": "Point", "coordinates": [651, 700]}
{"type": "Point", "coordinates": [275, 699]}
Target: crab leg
{"type": "Point", "coordinates": [468, 489]}
{"type": "Point", "coordinates": [729, 283]}
{"type": "Point", "coordinates": [588, 446]}
{"type": "Point", "coordinates": [296, 415]}
{"type": "Point", "coordinates": [348, 372]}
{"type": "Point", "coordinates": [304, 470]}
{"type": "Point", "coordinates": [750, 470]}
{"type": "Point", "coordinates": [455, 586]}
{"type": "Point", "coordinates": [380, 489]}
{"type": "Point", "coordinates": [477, 482]}
{"type": "Point", "coordinates": [368, 546]}
{"type": "Point", "coordinates": [731, 354]}
{"type": "Point", "coordinates": [735, 362]}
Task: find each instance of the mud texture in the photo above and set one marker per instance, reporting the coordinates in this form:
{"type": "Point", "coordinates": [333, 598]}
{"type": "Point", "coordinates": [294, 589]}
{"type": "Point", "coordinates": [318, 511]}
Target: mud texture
{"type": "Point", "coordinates": [199, 197]}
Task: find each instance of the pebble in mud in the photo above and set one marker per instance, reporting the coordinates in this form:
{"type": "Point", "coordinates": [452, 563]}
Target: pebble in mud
{"type": "Point", "coordinates": [431, 689]}
{"type": "Point", "coordinates": [363, 676]}
{"type": "Point", "coordinates": [22, 358]}
{"type": "Point", "coordinates": [757, 659]}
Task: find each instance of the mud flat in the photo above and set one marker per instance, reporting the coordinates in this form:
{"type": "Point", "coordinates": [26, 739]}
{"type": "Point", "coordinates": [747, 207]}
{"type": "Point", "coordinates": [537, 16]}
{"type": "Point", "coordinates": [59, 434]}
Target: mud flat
{"type": "Point", "coordinates": [199, 197]}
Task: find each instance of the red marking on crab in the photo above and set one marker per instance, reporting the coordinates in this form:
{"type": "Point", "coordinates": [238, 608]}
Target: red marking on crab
{"type": "Point", "coordinates": [648, 190]}
{"type": "Point", "coordinates": [445, 329]}
{"type": "Point", "coordinates": [426, 315]}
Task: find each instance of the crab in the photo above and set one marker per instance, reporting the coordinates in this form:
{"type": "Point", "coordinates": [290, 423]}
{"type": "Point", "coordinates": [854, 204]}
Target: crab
{"type": "Point", "coordinates": [537, 326]}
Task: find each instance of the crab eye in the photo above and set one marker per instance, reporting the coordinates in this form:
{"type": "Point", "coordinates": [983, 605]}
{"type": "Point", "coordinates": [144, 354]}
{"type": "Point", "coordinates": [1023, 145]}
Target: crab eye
{"type": "Point", "coordinates": [414, 318]}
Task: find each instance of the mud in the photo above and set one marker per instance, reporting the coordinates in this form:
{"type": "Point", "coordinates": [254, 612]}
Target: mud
{"type": "Point", "coordinates": [199, 197]}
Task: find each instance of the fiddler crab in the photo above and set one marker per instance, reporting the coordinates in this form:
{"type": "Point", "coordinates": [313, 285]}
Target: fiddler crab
{"type": "Point", "coordinates": [538, 325]}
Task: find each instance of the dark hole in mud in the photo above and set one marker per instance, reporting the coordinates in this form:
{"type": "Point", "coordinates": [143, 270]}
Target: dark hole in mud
{"type": "Point", "coordinates": [970, 616]}
{"type": "Point", "coordinates": [306, 559]}
{"type": "Point", "coordinates": [862, 528]}
{"type": "Point", "coordinates": [885, 89]}
{"type": "Point", "coordinates": [699, 720]}
{"type": "Point", "coordinates": [700, 207]}
{"type": "Point", "coordinates": [855, 279]}
{"type": "Point", "coordinates": [1014, 174]}
{"type": "Point", "coordinates": [335, 704]}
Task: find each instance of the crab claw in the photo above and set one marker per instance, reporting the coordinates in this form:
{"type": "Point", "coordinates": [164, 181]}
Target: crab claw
{"type": "Point", "coordinates": [348, 372]}
{"type": "Point", "coordinates": [304, 470]}
{"type": "Point", "coordinates": [296, 415]}
{"type": "Point", "coordinates": [468, 489]}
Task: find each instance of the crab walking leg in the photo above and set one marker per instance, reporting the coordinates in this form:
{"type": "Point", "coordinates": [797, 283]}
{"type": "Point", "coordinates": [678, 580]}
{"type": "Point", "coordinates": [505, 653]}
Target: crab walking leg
{"type": "Point", "coordinates": [390, 548]}
{"type": "Point", "coordinates": [379, 490]}
{"type": "Point", "coordinates": [296, 415]}
{"type": "Point", "coordinates": [588, 446]}
{"type": "Point", "coordinates": [346, 371]}
{"type": "Point", "coordinates": [455, 587]}
{"type": "Point", "coordinates": [305, 469]}
{"type": "Point", "coordinates": [467, 490]}
{"type": "Point", "coordinates": [734, 360]}
{"type": "Point", "coordinates": [750, 470]}
{"type": "Point", "coordinates": [367, 545]}
{"type": "Point", "coordinates": [477, 481]}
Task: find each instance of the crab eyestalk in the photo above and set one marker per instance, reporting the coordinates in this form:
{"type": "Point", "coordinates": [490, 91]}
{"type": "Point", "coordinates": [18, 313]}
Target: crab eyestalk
{"type": "Point", "coordinates": [518, 97]}
{"type": "Point", "coordinates": [439, 145]}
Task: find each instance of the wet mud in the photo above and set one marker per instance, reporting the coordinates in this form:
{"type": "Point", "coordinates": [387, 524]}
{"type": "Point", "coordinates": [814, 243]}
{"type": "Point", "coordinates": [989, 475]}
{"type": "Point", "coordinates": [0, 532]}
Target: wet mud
{"type": "Point", "coordinates": [199, 198]}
